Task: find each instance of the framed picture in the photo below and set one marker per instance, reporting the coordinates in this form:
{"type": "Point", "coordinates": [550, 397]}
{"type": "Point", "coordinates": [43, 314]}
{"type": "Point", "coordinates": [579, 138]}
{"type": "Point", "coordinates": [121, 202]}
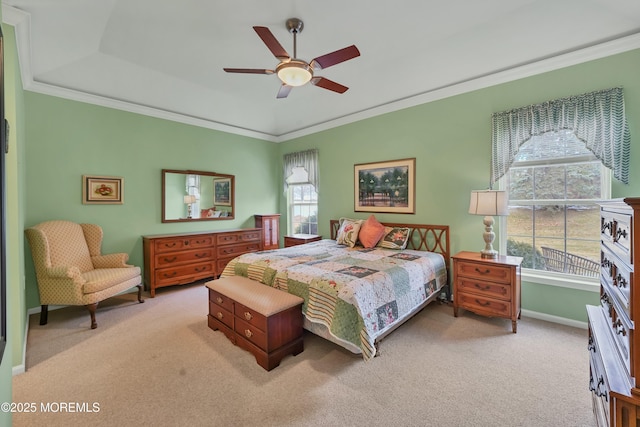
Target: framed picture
{"type": "Point", "coordinates": [222, 191]}
{"type": "Point", "coordinates": [102, 190]}
{"type": "Point", "coordinates": [385, 186]}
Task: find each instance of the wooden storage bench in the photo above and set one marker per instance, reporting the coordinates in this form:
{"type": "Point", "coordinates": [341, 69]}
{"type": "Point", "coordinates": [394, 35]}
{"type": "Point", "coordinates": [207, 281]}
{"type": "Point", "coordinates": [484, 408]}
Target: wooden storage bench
{"type": "Point", "coordinates": [263, 320]}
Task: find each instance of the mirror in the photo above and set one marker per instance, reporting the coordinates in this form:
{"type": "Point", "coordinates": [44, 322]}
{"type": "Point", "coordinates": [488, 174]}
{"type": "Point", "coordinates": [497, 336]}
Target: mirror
{"type": "Point", "coordinates": [189, 195]}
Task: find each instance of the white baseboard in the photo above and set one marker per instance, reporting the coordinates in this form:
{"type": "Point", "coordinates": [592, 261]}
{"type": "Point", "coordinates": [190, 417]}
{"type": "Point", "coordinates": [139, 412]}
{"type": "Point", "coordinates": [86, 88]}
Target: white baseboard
{"type": "Point", "coordinates": [555, 319]}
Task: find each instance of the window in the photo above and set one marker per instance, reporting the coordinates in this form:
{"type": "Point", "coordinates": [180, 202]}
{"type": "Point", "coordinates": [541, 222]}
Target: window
{"type": "Point", "coordinates": [554, 187]}
{"type": "Point", "coordinates": [303, 209]}
{"type": "Point", "coordinates": [302, 200]}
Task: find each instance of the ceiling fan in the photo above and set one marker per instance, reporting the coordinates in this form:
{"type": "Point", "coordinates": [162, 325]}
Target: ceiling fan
{"type": "Point", "coordinates": [296, 72]}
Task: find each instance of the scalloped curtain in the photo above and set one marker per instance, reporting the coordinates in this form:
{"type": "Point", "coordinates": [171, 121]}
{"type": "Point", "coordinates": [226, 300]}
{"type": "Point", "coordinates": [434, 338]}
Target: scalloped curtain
{"type": "Point", "coordinates": [305, 159]}
{"type": "Point", "coordinates": [596, 118]}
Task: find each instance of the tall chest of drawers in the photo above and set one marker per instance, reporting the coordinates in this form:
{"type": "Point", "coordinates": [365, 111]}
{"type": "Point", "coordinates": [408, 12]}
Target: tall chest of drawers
{"type": "Point", "coordinates": [614, 350]}
{"type": "Point", "coordinates": [177, 259]}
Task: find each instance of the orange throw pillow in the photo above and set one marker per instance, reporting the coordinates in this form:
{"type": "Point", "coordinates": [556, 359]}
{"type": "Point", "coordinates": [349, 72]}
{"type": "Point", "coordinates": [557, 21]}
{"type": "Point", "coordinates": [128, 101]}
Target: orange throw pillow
{"type": "Point", "coordinates": [371, 232]}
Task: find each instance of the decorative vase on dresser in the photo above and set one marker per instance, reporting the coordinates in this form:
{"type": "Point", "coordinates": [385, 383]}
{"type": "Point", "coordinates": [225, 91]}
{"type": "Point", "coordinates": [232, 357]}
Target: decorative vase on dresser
{"type": "Point", "coordinates": [177, 259]}
{"type": "Point", "coordinates": [614, 351]}
{"type": "Point", "coordinates": [270, 225]}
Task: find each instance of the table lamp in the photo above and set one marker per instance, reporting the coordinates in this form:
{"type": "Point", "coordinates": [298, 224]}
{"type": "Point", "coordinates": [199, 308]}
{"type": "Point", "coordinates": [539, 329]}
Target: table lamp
{"type": "Point", "coordinates": [489, 203]}
{"type": "Point", "coordinates": [188, 200]}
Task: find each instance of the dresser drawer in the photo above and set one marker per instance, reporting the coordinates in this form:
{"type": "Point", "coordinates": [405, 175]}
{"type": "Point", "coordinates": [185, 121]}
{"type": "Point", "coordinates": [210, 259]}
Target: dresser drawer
{"type": "Point", "coordinates": [484, 288]}
{"type": "Point", "coordinates": [621, 330]}
{"type": "Point", "coordinates": [482, 305]}
{"type": "Point", "coordinates": [173, 258]}
{"type": "Point", "coordinates": [232, 251]}
{"type": "Point", "coordinates": [251, 316]}
{"type": "Point", "coordinates": [221, 300]}
{"type": "Point", "coordinates": [495, 273]}
{"type": "Point", "coordinates": [239, 236]}
{"type": "Point", "coordinates": [251, 333]}
{"type": "Point", "coordinates": [182, 243]}
{"type": "Point", "coordinates": [615, 232]}
{"type": "Point", "coordinates": [221, 314]}
{"type": "Point", "coordinates": [185, 273]}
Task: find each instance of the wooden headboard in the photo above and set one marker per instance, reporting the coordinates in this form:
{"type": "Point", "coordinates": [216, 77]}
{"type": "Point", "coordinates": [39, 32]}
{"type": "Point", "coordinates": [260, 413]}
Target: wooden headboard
{"type": "Point", "coordinates": [422, 237]}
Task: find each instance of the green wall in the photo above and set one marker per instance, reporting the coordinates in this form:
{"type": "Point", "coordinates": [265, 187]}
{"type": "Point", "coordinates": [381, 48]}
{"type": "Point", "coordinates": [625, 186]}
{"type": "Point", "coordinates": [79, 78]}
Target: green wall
{"type": "Point", "coordinates": [451, 141]}
{"type": "Point", "coordinates": [68, 139]}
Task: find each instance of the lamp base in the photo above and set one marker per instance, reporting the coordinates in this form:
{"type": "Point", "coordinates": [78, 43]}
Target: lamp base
{"type": "Point", "coordinates": [490, 254]}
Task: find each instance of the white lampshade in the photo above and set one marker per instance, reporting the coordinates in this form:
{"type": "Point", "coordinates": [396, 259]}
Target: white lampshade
{"type": "Point", "coordinates": [489, 202]}
{"type": "Point", "coordinates": [294, 73]}
{"type": "Point", "coordinates": [189, 199]}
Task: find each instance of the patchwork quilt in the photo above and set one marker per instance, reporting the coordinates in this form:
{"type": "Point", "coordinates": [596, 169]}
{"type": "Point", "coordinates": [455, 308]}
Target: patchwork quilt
{"type": "Point", "coordinates": [356, 293]}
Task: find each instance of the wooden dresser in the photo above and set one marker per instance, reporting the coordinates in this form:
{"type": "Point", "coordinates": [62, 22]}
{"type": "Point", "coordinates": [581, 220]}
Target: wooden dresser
{"type": "Point", "coordinates": [177, 259]}
{"type": "Point", "coordinates": [489, 287]}
{"type": "Point", "coordinates": [614, 351]}
{"type": "Point", "coordinates": [270, 225]}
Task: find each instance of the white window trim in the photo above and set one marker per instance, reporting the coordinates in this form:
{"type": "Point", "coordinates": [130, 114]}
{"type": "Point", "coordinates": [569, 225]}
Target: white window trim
{"type": "Point", "coordinates": [561, 280]}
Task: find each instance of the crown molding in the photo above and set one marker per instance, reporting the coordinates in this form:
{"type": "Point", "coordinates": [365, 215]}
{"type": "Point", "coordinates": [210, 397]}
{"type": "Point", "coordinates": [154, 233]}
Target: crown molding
{"type": "Point", "coordinates": [21, 21]}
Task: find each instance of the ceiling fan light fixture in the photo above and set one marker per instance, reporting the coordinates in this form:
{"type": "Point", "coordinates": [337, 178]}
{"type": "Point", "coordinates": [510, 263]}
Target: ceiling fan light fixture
{"type": "Point", "coordinates": [294, 73]}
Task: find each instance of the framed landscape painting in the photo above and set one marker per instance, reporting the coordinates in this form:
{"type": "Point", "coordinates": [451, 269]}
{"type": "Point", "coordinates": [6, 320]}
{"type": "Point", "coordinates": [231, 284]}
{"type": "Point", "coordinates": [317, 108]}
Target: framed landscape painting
{"type": "Point", "coordinates": [385, 186]}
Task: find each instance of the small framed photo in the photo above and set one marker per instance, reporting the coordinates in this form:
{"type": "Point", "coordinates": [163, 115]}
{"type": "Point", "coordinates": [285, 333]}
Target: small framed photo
{"type": "Point", "coordinates": [385, 186]}
{"type": "Point", "coordinates": [102, 190]}
{"type": "Point", "coordinates": [222, 191]}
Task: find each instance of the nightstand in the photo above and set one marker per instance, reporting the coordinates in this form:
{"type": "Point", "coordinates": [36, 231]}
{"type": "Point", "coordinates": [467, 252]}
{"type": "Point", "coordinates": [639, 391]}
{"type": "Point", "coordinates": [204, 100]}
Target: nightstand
{"type": "Point", "coordinates": [300, 239]}
{"type": "Point", "coordinates": [487, 286]}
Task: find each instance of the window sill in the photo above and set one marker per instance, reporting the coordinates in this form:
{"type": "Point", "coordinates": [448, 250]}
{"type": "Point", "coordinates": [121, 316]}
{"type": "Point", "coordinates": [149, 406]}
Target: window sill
{"type": "Point", "coordinates": [591, 284]}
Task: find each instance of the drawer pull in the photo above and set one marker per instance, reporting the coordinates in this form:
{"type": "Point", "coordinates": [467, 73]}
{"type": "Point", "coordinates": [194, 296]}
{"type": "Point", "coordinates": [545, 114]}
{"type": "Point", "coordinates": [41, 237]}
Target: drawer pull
{"type": "Point", "coordinates": [220, 315]}
{"type": "Point", "coordinates": [248, 333]}
{"type": "Point", "coordinates": [202, 255]}
{"type": "Point", "coordinates": [619, 328]}
{"type": "Point", "coordinates": [591, 346]}
{"type": "Point", "coordinates": [219, 300]}
{"type": "Point", "coordinates": [482, 288]}
{"type": "Point", "coordinates": [200, 269]}
{"type": "Point", "coordinates": [487, 271]}
{"type": "Point", "coordinates": [485, 303]}
{"type": "Point", "coordinates": [169, 245]}
{"type": "Point", "coordinates": [621, 281]}
{"type": "Point", "coordinates": [248, 315]}
{"type": "Point", "coordinates": [186, 243]}
{"type": "Point", "coordinates": [173, 273]}
{"type": "Point", "coordinates": [170, 259]}
{"type": "Point", "coordinates": [620, 233]}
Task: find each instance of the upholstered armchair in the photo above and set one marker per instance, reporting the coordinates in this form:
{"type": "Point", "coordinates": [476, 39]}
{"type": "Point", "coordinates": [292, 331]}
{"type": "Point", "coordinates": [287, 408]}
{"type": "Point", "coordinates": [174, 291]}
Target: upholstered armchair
{"type": "Point", "coordinates": [71, 270]}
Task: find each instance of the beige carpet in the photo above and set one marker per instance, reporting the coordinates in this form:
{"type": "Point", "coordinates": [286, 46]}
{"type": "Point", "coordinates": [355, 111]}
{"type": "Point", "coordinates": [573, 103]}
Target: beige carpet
{"type": "Point", "coordinates": [158, 364]}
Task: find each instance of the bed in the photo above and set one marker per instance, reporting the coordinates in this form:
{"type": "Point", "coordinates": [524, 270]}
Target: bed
{"type": "Point", "coordinates": [355, 296]}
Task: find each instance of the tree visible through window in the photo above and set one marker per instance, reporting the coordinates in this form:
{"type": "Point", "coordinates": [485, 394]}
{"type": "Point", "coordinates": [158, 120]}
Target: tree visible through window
{"type": "Point", "coordinates": [304, 209]}
{"type": "Point", "coordinates": [303, 203]}
{"type": "Point", "coordinates": [554, 186]}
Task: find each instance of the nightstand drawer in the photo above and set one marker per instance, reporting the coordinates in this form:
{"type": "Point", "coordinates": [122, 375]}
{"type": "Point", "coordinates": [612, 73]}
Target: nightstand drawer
{"type": "Point", "coordinates": [487, 306]}
{"type": "Point", "coordinates": [484, 288]}
{"type": "Point", "coordinates": [495, 273]}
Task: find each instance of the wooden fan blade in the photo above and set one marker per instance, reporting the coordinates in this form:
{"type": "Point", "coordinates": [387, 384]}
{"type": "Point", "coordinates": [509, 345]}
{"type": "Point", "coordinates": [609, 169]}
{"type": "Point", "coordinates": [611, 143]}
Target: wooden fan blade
{"type": "Point", "coordinates": [328, 84]}
{"type": "Point", "coordinates": [248, 70]}
{"type": "Point", "coordinates": [272, 43]}
{"type": "Point", "coordinates": [336, 57]}
{"type": "Point", "coordinates": [284, 91]}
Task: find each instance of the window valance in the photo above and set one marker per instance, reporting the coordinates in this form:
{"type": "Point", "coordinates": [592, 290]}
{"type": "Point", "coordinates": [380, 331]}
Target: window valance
{"type": "Point", "coordinates": [596, 118]}
{"type": "Point", "coordinates": [305, 159]}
